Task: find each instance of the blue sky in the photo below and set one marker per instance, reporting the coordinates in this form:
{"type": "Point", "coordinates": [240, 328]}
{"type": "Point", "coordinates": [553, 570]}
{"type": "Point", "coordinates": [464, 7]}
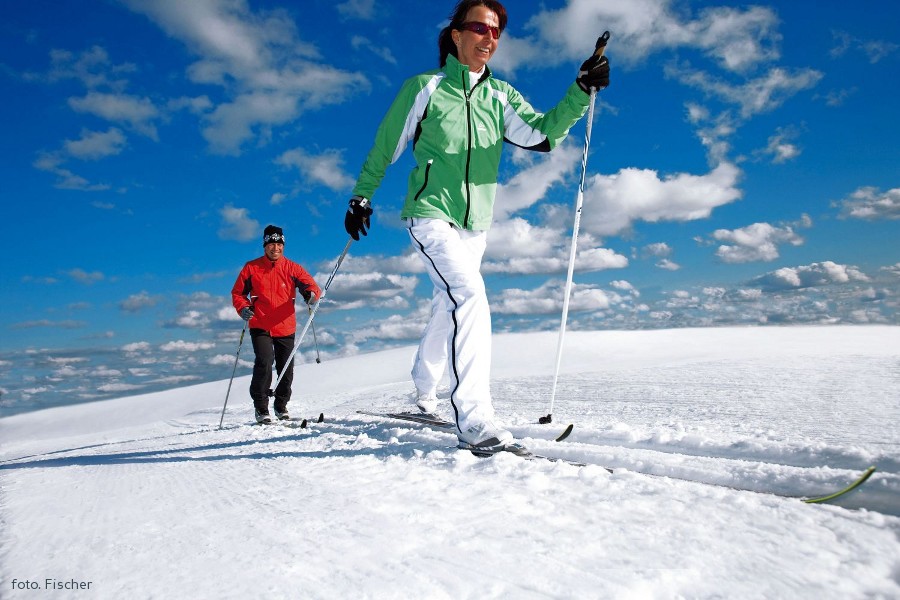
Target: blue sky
{"type": "Point", "coordinates": [743, 170]}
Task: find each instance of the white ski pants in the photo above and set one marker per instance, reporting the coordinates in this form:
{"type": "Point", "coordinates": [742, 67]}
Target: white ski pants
{"type": "Point", "coordinates": [458, 335]}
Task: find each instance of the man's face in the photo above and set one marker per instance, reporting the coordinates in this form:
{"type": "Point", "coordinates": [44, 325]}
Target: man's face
{"type": "Point", "coordinates": [274, 251]}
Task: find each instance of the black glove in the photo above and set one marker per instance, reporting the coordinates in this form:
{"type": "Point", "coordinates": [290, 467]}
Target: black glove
{"type": "Point", "coordinates": [358, 217]}
{"type": "Point", "coordinates": [594, 73]}
{"type": "Point", "coordinates": [247, 313]}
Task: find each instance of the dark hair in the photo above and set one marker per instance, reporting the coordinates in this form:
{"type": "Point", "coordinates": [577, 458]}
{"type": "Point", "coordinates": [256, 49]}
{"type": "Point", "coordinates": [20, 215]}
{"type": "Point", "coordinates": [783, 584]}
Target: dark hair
{"type": "Point", "coordinates": [458, 17]}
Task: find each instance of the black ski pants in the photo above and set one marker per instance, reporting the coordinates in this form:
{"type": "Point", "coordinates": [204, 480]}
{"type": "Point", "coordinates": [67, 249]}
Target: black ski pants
{"type": "Point", "coordinates": [271, 350]}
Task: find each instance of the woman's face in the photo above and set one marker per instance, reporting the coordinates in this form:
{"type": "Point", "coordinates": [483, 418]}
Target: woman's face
{"type": "Point", "coordinates": [475, 49]}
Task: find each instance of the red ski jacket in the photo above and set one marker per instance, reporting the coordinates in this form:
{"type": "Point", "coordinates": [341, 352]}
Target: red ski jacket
{"type": "Point", "coordinates": [270, 287]}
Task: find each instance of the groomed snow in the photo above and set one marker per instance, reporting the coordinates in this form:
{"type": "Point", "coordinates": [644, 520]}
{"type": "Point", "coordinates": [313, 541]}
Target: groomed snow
{"type": "Point", "coordinates": [143, 497]}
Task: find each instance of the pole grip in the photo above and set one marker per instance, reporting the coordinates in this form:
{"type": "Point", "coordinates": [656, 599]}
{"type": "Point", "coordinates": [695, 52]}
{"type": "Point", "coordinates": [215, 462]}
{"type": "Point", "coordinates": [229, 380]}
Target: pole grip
{"type": "Point", "coordinates": [600, 48]}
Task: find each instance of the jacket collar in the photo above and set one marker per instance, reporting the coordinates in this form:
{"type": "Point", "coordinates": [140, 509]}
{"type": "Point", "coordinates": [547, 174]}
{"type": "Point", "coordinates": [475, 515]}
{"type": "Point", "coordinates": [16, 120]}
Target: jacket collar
{"type": "Point", "coordinates": [455, 69]}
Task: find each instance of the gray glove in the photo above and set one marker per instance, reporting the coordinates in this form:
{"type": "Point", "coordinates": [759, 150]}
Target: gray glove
{"type": "Point", "coordinates": [246, 313]}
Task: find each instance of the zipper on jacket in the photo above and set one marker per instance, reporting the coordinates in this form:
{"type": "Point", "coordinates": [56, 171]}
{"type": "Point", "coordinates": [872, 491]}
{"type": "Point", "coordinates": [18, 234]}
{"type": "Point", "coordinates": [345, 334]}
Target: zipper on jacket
{"type": "Point", "coordinates": [425, 183]}
{"type": "Point", "coordinates": [468, 95]}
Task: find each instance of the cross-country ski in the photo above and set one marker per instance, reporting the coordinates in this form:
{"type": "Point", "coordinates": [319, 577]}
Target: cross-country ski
{"type": "Point", "coordinates": [520, 450]}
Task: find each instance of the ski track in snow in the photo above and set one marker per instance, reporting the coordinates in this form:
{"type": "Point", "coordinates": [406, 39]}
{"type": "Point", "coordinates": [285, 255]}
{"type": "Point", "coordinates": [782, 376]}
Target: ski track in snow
{"type": "Point", "coordinates": [370, 508]}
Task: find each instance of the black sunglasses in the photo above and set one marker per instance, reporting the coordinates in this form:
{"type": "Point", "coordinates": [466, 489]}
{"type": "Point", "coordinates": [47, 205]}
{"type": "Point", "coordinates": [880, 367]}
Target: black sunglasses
{"type": "Point", "coordinates": [480, 28]}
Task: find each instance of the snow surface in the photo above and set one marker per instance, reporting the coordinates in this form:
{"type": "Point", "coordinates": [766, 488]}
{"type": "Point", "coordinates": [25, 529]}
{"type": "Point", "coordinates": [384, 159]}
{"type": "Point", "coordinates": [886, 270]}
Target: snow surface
{"type": "Point", "coordinates": [143, 497]}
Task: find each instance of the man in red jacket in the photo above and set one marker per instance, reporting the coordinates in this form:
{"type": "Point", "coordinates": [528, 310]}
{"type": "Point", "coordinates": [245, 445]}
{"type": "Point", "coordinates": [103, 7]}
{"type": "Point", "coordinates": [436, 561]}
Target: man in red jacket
{"type": "Point", "coordinates": [264, 295]}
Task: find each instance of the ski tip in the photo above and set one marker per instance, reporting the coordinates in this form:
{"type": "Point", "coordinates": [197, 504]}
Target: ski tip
{"type": "Point", "coordinates": [566, 432]}
{"type": "Point", "coordinates": [854, 485]}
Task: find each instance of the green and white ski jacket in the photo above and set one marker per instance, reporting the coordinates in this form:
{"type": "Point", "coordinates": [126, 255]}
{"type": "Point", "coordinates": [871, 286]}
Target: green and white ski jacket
{"type": "Point", "coordinates": [457, 135]}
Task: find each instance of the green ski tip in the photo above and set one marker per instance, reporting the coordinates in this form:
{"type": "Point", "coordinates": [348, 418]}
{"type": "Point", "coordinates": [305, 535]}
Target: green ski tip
{"type": "Point", "coordinates": [565, 433]}
{"type": "Point", "coordinates": [861, 480]}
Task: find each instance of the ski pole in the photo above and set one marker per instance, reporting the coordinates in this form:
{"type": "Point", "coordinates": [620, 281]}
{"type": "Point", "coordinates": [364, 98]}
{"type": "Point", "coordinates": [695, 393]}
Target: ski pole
{"type": "Point", "coordinates": [316, 342]}
{"type": "Point", "coordinates": [312, 313]}
{"type": "Point", "coordinates": [579, 201]}
{"type": "Point", "coordinates": [233, 371]}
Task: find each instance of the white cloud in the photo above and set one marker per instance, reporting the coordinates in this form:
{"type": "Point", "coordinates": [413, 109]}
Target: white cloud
{"type": "Point", "coordinates": [592, 259]}
{"type": "Point", "coordinates": [781, 147]}
{"type": "Point", "coordinates": [192, 319]}
{"type": "Point", "coordinates": [813, 275]}
{"type": "Point", "coordinates": [548, 299]}
{"type": "Point", "coordinates": [517, 238]}
{"type": "Point", "coordinates": [531, 184]}
{"type": "Point", "coordinates": [197, 105]}
{"type": "Point", "coordinates": [94, 145]}
{"type": "Point", "coordinates": [138, 113]}
{"type": "Point", "coordinates": [758, 241]}
{"type": "Point", "coordinates": [182, 346]}
{"type": "Point", "coordinates": [85, 277]}
{"type": "Point", "coordinates": [756, 96]}
{"type": "Point", "coordinates": [625, 286]}
{"type": "Point", "coordinates": [737, 39]}
{"type": "Point", "coordinates": [102, 371]}
{"type": "Point", "coordinates": [616, 201]}
{"type": "Point", "coordinates": [875, 50]}
{"type": "Point", "coordinates": [228, 360]}
{"type": "Point", "coordinates": [66, 360]}
{"type": "Point", "coordinates": [372, 290]}
{"type": "Point", "coordinates": [118, 387]}
{"type": "Point", "coordinates": [67, 180]}
{"type": "Point", "coordinates": [516, 246]}
{"type": "Point", "coordinates": [136, 347]}
{"type": "Point", "coordinates": [92, 68]}
{"type": "Point", "coordinates": [359, 42]}
{"type": "Point", "coordinates": [371, 263]}
{"type": "Point", "coordinates": [668, 265]}
{"type": "Point", "coordinates": [137, 302]}
{"type": "Point", "coordinates": [662, 251]}
{"type": "Point", "coordinates": [658, 249]}
{"type": "Point", "coordinates": [325, 169]}
{"type": "Point", "coordinates": [226, 314]}
{"type": "Point", "coordinates": [237, 224]}
{"type": "Point", "coordinates": [872, 204]}
{"type": "Point", "coordinates": [394, 328]}
{"type": "Point", "coordinates": [269, 73]}
{"type": "Point", "coordinates": [357, 9]}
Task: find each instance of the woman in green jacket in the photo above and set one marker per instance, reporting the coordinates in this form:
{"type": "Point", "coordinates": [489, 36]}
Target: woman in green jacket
{"type": "Point", "coordinates": [457, 118]}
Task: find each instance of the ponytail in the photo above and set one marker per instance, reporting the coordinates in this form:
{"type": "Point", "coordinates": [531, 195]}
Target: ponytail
{"type": "Point", "coordinates": [446, 45]}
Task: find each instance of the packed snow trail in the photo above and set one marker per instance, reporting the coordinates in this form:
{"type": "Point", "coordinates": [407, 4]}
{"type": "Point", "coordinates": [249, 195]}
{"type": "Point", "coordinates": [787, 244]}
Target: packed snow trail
{"type": "Point", "coordinates": [154, 502]}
